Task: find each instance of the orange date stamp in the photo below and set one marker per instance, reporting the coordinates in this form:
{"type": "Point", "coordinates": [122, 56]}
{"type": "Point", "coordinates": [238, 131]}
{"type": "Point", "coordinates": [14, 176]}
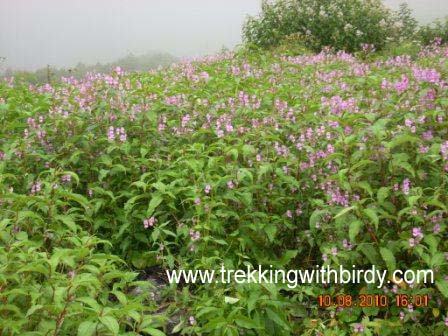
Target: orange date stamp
{"type": "Point", "coordinates": [372, 300]}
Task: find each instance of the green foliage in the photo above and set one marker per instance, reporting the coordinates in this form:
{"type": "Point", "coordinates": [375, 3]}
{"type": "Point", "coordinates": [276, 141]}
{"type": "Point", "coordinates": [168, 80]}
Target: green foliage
{"type": "Point", "coordinates": [131, 62]}
{"type": "Point", "coordinates": [407, 24]}
{"type": "Point", "coordinates": [55, 280]}
{"type": "Point", "coordinates": [247, 159]}
{"type": "Point", "coordinates": [342, 24]}
{"type": "Point", "coordinates": [436, 30]}
{"type": "Point", "coordinates": [349, 25]}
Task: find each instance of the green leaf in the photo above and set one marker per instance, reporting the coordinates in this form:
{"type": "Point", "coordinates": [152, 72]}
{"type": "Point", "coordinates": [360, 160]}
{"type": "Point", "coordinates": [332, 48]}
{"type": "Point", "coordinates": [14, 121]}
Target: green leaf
{"type": "Point", "coordinates": [382, 194]}
{"type": "Point", "coordinates": [153, 204]}
{"type": "Point", "coordinates": [400, 140]}
{"type": "Point", "coordinates": [344, 212]}
{"type": "Point", "coordinates": [316, 217]}
{"type": "Point", "coordinates": [288, 256]}
{"type": "Point", "coordinates": [91, 302]}
{"type": "Point", "coordinates": [33, 309]}
{"type": "Point", "coordinates": [245, 322]}
{"type": "Point", "coordinates": [442, 285]}
{"type": "Point", "coordinates": [111, 323]}
{"type": "Point", "coordinates": [354, 229]}
{"type": "Point", "coordinates": [130, 203]}
{"type": "Point", "coordinates": [270, 230]}
{"type": "Point", "coordinates": [373, 216]}
{"type": "Point", "coordinates": [389, 258]}
{"type": "Point", "coordinates": [153, 331]}
{"type": "Point", "coordinates": [86, 328]}
{"type": "Point", "coordinates": [277, 319]}
{"type": "Point", "coordinates": [68, 221]}
{"type": "Point", "coordinates": [370, 252]}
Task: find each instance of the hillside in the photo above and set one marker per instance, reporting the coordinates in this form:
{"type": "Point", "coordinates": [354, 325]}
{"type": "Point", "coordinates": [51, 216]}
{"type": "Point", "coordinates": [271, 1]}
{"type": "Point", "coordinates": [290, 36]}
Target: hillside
{"type": "Point", "coordinates": [237, 159]}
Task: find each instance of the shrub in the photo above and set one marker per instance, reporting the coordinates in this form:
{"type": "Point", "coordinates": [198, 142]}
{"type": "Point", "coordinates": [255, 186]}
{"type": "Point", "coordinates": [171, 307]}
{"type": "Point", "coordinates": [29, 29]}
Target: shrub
{"type": "Point", "coordinates": [70, 290]}
{"type": "Point", "coordinates": [236, 160]}
{"type": "Point", "coordinates": [434, 32]}
{"type": "Point", "coordinates": [406, 25]}
{"type": "Point", "coordinates": [341, 24]}
{"type": "Point", "coordinates": [55, 278]}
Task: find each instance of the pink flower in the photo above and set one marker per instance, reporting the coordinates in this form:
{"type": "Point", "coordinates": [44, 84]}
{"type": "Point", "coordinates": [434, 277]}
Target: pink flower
{"type": "Point", "coordinates": [427, 135]}
{"type": "Point", "coordinates": [197, 201]}
{"type": "Point", "coordinates": [358, 328]}
{"type": "Point", "coordinates": [36, 187]}
{"type": "Point", "coordinates": [427, 75]}
{"type": "Point", "coordinates": [444, 150]}
{"type": "Point", "coordinates": [121, 133]}
{"type": "Point", "coordinates": [66, 178]}
{"type": "Point", "coordinates": [406, 186]}
{"type": "Point", "coordinates": [403, 85]}
{"type": "Point", "coordinates": [423, 149]}
{"type": "Point", "coordinates": [230, 185]}
{"type": "Point", "coordinates": [208, 189]}
{"type": "Point", "coordinates": [417, 233]}
{"type": "Point", "coordinates": [195, 235]}
{"type": "Point", "coordinates": [111, 133]}
{"type": "Point", "coordinates": [150, 222]}
{"type": "Point", "coordinates": [347, 244]}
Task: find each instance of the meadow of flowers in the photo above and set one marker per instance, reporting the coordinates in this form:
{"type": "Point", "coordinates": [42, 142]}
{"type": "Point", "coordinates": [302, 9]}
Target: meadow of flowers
{"type": "Point", "coordinates": [235, 159]}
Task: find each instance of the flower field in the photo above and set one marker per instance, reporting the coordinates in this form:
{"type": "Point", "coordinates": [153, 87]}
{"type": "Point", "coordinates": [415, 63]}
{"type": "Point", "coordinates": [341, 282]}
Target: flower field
{"type": "Point", "coordinates": [236, 159]}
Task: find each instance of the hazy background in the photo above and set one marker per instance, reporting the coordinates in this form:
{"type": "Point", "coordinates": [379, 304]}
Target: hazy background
{"type": "Point", "coordinates": [34, 33]}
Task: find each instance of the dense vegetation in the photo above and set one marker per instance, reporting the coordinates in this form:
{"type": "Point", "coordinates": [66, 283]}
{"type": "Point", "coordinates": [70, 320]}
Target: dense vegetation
{"type": "Point", "coordinates": [242, 158]}
{"type": "Point", "coordinates": [348, 25]}
{"type": "Point", "coordinates": [131, 62]}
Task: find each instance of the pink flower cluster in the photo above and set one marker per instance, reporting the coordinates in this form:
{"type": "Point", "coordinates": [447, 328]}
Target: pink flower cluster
{"type": "Point", "coordinates": [444, 151]}
{"type": "Point", "coordinates": [149, 222]}
{"type": "Point", "coordinates": [402, 85]}
{"type": "Point", "coordinates": [116, 132]}
{"type": "Point", "coordinates": [339, 106]}
{"type": "Point", "coordinates": [194, 235]}
{"type": "Point", "coordinates": [427, 75]}
{"type": "Point", "coordinates": [406, 186]}
{"type": "Point", "coordinates": [417, 236]}
{"type": "Point", "coordinates": [36, 187]}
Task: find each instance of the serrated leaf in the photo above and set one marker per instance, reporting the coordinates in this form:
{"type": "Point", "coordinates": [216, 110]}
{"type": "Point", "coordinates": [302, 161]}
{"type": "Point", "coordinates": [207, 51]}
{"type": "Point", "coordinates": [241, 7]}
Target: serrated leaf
{"type": "Point", "coordinates": [372, 215]}
{"type": "Point", "coordinates": [442, 285]}
{"type": "Point", "coordinates": [153, 204]}
{"type": "Point", "coordinates": [153, 331]}
{"type": "Point", "coordinates": [86, 328]}
{"type": "Point", "coordinates": [245, 322]}
{"type": "Point", "coordinates": [354, 228]}
{"type": "Point", "coordinates": [344, 212]}
{"type": "Point", "coordinates": [33, 309]}
{"type": "Point", "coordinates": [388, 258]}
{"type": "Point", "coordinates": [111, 323]}
{"type": "Point", "coordinates": [382, 194]}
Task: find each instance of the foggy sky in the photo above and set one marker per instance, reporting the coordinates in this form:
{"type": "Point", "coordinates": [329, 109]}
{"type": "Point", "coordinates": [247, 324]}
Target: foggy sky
{"type": "Point", "coordinates": [34, 33]}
